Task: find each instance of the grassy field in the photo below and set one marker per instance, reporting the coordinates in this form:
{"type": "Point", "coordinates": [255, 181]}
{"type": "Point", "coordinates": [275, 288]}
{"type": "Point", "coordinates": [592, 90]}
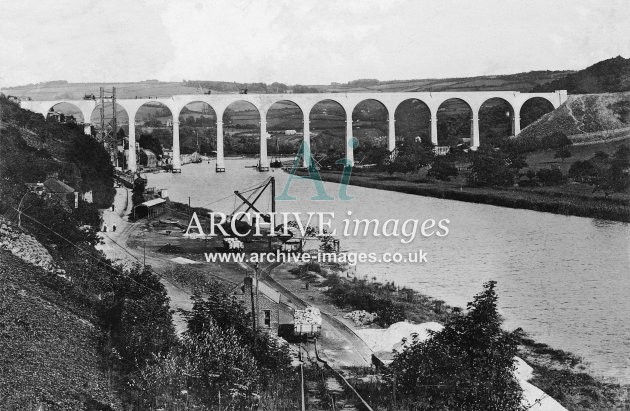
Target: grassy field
{"type": "Point", "coordinates": [544, 159]}
{"type": "Point", "coordinates": [519, 82]}
{"type": "Point", "coordinates": [578, 199]}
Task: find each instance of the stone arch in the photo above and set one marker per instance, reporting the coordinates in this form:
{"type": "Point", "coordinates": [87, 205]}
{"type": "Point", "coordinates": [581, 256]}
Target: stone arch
{"type": "Point", "coordinates": [496, 120]}
{"type": "Point", "coordinates": [122, 116]}
{"type": "Point", "coordinates": [241, 124]}
{"type": "Point", "coordinates": [454, 117]}
{"type": "Point", "coordinates": [327, 119]}
{"type": "Point", "coordinates": [370, 123]}
{"type": "Point", "coordinates": [285, 125]}
{"type": "Point", "coordinates": [197, 128]}
{"type": "Point", "coordinates": [533, 108]}
{"type": "Point", "coordinates": [413, 119]}
{"type": "Point", "coordinates": [154, 121]}
{"type": "Point", "coordinates": [65, 112]}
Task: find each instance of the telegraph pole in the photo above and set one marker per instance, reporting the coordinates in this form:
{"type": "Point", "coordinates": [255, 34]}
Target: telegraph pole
{"type": "Point", "coordinates": [102, 113]}
{"type": "Point", "coordinates": [114, 129]}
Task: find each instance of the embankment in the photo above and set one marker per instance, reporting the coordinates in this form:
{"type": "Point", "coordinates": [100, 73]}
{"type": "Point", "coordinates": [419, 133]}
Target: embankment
{"type": "Point", "coordinates": [557, 203]}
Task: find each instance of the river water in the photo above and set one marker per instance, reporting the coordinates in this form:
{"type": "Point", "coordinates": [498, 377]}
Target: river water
{"type": "Point", "coordinates": [565, 280]}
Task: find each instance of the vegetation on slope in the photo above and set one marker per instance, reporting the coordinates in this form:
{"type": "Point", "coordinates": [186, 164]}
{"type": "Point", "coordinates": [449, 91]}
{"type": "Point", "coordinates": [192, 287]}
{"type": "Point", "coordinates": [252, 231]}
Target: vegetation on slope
{"type": "Point", "coordinates": [100, 335]}
{"type": "Point", "coordinates": [32, 148]}
{"type": "Point", "coordinates": [585, 119]}
{"type": "Point", "coordinates": [607, 76]}
{"type": "Point", "coordinates": [49, 344]}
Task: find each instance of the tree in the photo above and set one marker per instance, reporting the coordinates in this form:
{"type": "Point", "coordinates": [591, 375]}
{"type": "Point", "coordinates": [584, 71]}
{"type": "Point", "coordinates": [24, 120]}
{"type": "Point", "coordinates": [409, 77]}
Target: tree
{"type": "Point", "coordinates": [556, 140]}
{"type": "Point", "coordinates": [493, 167]}
{"type": "Point", "coordinates": [612, 173]}
{"type": "Point", "coordinates": [550, 176]}
{"type": "Point", "coordinates": [562, 153]}
{"type": "Point", "coordinates": [276, 87]}
{"type": "Point", "coordinates": [441, 169]}
{"type": "Point", "coordinates": [469, 365]}
{"type": "Point", "coordinates": [137, 196]}
{"type": "Point", "coordinates": [150, 142]}
{"type": "Point", "coordinates": [582, 170]}
{"type": "Point", "coordinates": [411, 155]}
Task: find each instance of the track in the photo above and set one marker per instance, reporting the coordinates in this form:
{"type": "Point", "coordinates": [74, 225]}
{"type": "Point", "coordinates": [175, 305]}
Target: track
{"type": "Point", "coordinates": [325, 388]}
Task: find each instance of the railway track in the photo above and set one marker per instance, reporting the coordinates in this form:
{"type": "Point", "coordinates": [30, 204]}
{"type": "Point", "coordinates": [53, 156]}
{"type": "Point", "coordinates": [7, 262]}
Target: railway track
{"type": "Point", "coordinates": [325, 388]}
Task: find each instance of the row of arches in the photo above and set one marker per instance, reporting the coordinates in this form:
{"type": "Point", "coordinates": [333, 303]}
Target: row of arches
{"type": "Point", "coordinates": [372, 123]}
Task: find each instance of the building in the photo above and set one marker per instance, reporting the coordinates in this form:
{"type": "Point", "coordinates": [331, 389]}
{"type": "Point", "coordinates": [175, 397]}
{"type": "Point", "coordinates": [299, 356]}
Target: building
{"type": "Point", "coordinates": [58, 190]}
{"type": "Point", "coordinates": [268, 302]}
{"type": "Point", "coordinates": [151, 208]}
{"type": "Point", "coordinates": [151, 158]}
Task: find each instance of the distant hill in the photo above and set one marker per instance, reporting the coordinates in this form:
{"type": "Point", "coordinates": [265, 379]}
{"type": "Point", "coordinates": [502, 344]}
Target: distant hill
{"type": "Point", "coordinates": [518, 82]}
{"type": "Point", "coordinates": [607, 76]}
{"type": "Point", "coordinates": [62, 90]}
{"type": "Point", "coordinates": [586, 118]}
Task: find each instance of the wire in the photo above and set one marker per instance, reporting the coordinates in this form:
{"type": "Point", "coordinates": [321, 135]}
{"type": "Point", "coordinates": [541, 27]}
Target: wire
{"type": "Point", "coordinates": [87, 252]}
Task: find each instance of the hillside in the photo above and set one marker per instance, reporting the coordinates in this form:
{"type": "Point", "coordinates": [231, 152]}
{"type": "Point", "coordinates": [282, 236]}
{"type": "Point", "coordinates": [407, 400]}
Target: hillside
{"type": "Point", "coordinates": [586, 118]}
{"type": "Point", "coordinates": [520, 82]}
{"type": "Point", "coordinates": [48, 344]}
{"type": "Point", "coordinates": [32, 148]}
{"type": "Point", "coordinates": [60, 89]}
{"type": "Point", "coordinates": [607, 76]}
{"type": "Point", "coordinates": [75, 91]}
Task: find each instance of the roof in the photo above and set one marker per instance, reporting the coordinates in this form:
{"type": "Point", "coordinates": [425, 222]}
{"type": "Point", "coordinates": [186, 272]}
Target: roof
{"type": "Point", "coordinates": [56, 186]}
{"type": "Point", "coordinates": [152, 203]}
{"type": "Point", "coordinates": [269, 292]}
{"type": "Point", "coordinates": [265, 290]}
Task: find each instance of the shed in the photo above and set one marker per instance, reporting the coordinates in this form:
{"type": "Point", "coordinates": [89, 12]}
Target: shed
{"type": "Point", "coordinates": [151, 208]}
{"type": "Point", "coordinates": [57, 189]}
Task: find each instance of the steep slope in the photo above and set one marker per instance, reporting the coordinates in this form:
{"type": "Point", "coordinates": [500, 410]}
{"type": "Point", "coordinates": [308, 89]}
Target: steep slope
{"type": "Point", "coordinates": [607, 76]}
{"type": "Point", "coordinates": [586, 118]}
{"type": "Point", "coordinates": [49, 352]}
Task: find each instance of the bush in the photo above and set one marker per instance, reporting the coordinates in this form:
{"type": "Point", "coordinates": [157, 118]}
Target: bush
{"type": "Point", "coordinates": [493, 167]}
{"type": "Point", "coordinates": [469, 365]}
{"type": "Point", "coordinates": [442, 169]}
{"type": "Point", "coordinates": [550, 176]}
{"type": "Point", "coordinates": [582, 170]}
{"type": "Point", "coordinates": [562, 153]}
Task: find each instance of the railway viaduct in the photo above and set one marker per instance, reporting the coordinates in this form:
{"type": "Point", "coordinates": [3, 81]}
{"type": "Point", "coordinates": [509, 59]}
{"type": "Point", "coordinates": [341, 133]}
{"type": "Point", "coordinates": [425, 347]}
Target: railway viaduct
{"type": "Point", "coordinates": [306, 102]}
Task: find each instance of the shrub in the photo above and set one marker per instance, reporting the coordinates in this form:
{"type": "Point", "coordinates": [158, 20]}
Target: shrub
{"type": "Point", "coordinates": [550, 176]}
{"type": "Point", "coordinates": [442, 170]}
{"type": "Point", "coordinates": [492, 167]}
{"type": "Point", "coordinates": [582, 170]}
{"type": "Point", "coordinates": [469, 365]}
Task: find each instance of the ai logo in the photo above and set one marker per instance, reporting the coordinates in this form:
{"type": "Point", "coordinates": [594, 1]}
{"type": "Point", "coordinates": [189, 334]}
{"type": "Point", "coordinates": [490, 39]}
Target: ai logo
{"type": "Point", "coordinates": [316, 178]}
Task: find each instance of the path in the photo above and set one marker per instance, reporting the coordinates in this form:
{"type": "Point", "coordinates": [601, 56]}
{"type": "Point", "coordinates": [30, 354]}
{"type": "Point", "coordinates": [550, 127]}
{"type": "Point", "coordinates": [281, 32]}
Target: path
{"type": "Point", "coordinates": [115, 248]}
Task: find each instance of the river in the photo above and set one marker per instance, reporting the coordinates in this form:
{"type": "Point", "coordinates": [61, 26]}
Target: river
{"type": "Point", "coordinates": [564, 279]}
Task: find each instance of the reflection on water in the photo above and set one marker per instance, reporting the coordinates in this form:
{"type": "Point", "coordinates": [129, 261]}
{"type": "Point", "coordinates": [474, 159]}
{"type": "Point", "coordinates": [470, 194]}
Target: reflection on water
{"type": "Point", "coordinates": [563, 279]}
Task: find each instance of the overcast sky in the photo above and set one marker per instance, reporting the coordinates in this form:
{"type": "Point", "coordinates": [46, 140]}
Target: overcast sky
{"type": "Point", "coordinates": [306, 42]}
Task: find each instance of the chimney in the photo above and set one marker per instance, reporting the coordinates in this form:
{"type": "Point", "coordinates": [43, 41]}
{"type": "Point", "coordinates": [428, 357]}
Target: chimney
{"type": "Point", "coordinates": [247, 285]}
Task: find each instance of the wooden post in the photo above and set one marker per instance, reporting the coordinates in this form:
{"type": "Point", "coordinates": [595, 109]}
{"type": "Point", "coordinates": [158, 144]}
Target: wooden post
{"type": "Point", "coordinates": [251, 293]}
{"type": "Point", "coordinates": [273, 195]}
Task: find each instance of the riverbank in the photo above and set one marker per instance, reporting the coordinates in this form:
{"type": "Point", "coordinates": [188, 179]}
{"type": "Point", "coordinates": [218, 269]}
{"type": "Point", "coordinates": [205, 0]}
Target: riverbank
{"type": "Point", "coordinates": [566, 201]}
{"type": "Point", "coordinates": [559, 374]}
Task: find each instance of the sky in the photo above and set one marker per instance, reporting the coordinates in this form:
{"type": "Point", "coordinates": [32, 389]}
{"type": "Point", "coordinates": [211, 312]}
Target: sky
{"type": "Point", "coordinates": [302, 41]}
